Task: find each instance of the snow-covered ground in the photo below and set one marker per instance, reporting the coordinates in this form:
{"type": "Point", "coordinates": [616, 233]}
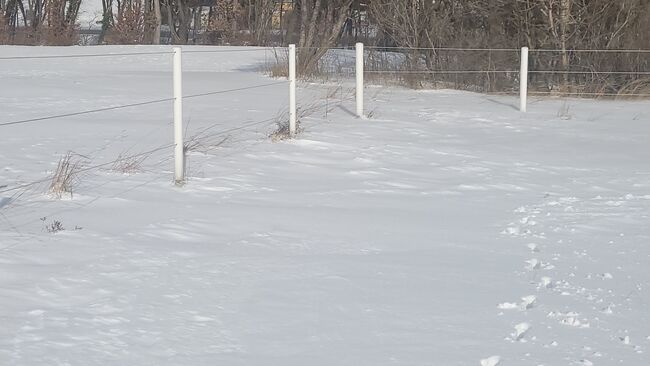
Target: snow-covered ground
{"type": "Point", "coordinates": [447, 229]}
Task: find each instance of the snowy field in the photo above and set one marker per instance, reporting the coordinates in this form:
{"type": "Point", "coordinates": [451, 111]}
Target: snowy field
{"type": "Point", "coordinates": [448, 229]}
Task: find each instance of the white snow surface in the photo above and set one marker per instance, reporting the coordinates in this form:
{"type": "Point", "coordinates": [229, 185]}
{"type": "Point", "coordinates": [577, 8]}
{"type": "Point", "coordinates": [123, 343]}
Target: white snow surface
{"type": "Point", "coordinates": [391, 240]}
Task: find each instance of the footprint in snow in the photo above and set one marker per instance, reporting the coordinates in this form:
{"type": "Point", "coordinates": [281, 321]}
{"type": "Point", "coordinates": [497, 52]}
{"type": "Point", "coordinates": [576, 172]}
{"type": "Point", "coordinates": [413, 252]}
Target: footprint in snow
{"type": "Point", "coordinates": [527, 302]}
{"type": "Point", "coordinates": [533, 247]}
{"type": "Point", "coordinates": [606, 276]}
{"type": "Point", "coordinates": [4, 200]}
{"type": "Point", "coordinates": [533, 264]}
{"type": "Point", "coordinates": [491, 361]}
{"type": "Point", "coordinates": [520, 331]}
{"type": "Point", "coordinates": [546, 282]}
{"type": "Point", "coordinates": [608, 310]}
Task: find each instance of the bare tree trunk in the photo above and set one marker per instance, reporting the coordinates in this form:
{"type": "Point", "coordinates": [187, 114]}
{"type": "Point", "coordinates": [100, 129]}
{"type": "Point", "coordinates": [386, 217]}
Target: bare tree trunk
{"type": "Point", "coordinates": [320, 27]}
{"type": "Point", "coordinates": [107, 19]}
{"type": "Point", "coordinates": [262, 21]}
{"type": "Point", "coordinates": [157, 22]}
{"type": "Point", "coordinates": [282, 35]}
{"type": "Point", "coordinates": [178, 19]}
{"type": "Point", "coordinates": [312, 23]}
{"type": "Point", "coordinates": [565, 17]}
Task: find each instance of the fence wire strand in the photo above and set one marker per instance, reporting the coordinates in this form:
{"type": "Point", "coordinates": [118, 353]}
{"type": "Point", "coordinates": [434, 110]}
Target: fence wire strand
{"type": "Point", "coordinates": [72, 114]}
{"type": "Point", "coordinates": [506, 71]}
{"type": "Point", "coordinates": [233, 90]}
{"type": "Point", "coordinates": [589, 50]}
{"type": "Point", "coordinates": [561, 94]}
{"type": "Point", "coordinates": [30, 120]}
{"type": "Point", "coordinates": [84, 55]}
{"type": "Point", "coordinates": [589, 94]}
{"type": "Point", "coordinates": [439, 71]}
{"type": "Point", "coordinates": [504, 49]}
{"type": "Point", "coordinates": [442, 49]}
{"type": "Point", "coordinates": [589, 72]}
{"type": "Point", "coordinates": [234, 51]}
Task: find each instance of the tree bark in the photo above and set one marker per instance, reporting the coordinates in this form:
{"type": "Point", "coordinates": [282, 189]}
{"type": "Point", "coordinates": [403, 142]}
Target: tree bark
{"type": "Point", "coordinates": [157, 22]}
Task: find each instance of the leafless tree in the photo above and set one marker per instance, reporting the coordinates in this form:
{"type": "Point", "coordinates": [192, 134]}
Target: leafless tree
{"type": "Point", "coordinates": [562, 25]}
{"type": "Point", "coordinates": [318, 26]}
{"type": "Point", "coordinates": [40, 21]}
{"type": "Point", "coordinates": [260, 18]}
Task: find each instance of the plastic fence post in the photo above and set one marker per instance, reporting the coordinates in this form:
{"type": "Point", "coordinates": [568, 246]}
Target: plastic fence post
{"type": "Point", "coordinates": [359, 71]}
{"type": "Point", "coordinates": [523, 80]}
{"type": "Point", "coordinates": [292, 89]}
{"type": "Point", "coordinates": [179, 159]}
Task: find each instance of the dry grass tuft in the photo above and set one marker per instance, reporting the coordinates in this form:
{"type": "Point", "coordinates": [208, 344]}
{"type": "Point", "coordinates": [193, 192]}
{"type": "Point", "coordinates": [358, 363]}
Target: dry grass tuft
{"type": "Point", "coordinates": [282, 131]}
{"type": "Point", "coordinates": [66, 175]}
{"type": "Point", "coordinates": [640, 87]}
{"type": "Point", "coordinates": [278, 65]}
{"type": "Point", "coordinates": [126, 164]}
{"type": "Point", "coordinates": [205, 142]}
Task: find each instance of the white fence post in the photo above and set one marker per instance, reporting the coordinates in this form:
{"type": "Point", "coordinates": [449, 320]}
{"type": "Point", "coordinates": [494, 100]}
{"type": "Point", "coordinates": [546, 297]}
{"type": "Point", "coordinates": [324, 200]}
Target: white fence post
{"type": "Point", "coordinates": [523, 80]}
{"type": "Point", "coordinates": [179, 159]}
{"type": "Point", "coordinates": [292, 89]}
{"type": "Point", "coordinates": [359, 70]}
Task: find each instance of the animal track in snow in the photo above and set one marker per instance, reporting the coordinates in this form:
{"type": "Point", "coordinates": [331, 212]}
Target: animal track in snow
{"type": "Point", "coordinates": [527, 302]}
{"type": "Point", "coordinates": [508, 306]}
{"type": "Point", "coordinates": [570, 318]}
{"type": "Point", "coordinates": [520, 331]}
{"type": "Point", "coordinates": [491, 361]}
{"type": "Point", "coordinates": [533, 264]}
{"type": "Point", "coordinates": [533, 247]}
{"type": "Point", "coordinates": [545, 282]}
{"type": "Point", "coordinates": [606, 276]}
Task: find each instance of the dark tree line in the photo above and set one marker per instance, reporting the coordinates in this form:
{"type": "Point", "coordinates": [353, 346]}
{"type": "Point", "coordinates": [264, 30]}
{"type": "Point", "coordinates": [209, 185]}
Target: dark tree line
{"type": "Point", "coordinates": [314, 25]}
{"type": "Point", "coordinates": [38, 21]}
{"type": "Point", "coordinates": [561, 24]}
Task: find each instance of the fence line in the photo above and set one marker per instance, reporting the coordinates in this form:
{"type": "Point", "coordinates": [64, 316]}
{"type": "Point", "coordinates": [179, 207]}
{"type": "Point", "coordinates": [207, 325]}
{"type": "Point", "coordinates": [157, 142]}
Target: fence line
{"type": "Point", "coordinates": [177, 98]}
{"type": "Point", "coordinates": [593, 94]}
{"type": "Point", "coordinates": [204, 135]}
{"type": "Point", "coordinates": [589, 50]}
{"type": "Point", "coordinates": [84, 55]}
{"type": "Point", "coordinates": [554, 93]}
{"type": "Point", "coordinates": [506, 72]}
{"type": "Point", "coordinates": [523, 72]}
{"type": "Point", "coordinates": [200, 135]}
{"type": "Point", "coordinates": [439, 71]}
{"type": "Point", "coordinates": [365, 58]}
{"type": "Point", "coordinates": [442, 49]}
{"type": "Point", "coordinates": [155, 101]}
{"type": "Point", "coordinates": [360, 71]}
{"type": "Point", "coordinates": [235, 51]}
{"type": "Point", "coordinates": [589, 72]}
{"type": "Point", "coordinates": [134, 54]}
{"type": "Point", "coordinates": [320, 48]}
{"type": "Point", "coordinates": [502, 49]}
{"type": "Point", "coordinates": [149, 152]}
